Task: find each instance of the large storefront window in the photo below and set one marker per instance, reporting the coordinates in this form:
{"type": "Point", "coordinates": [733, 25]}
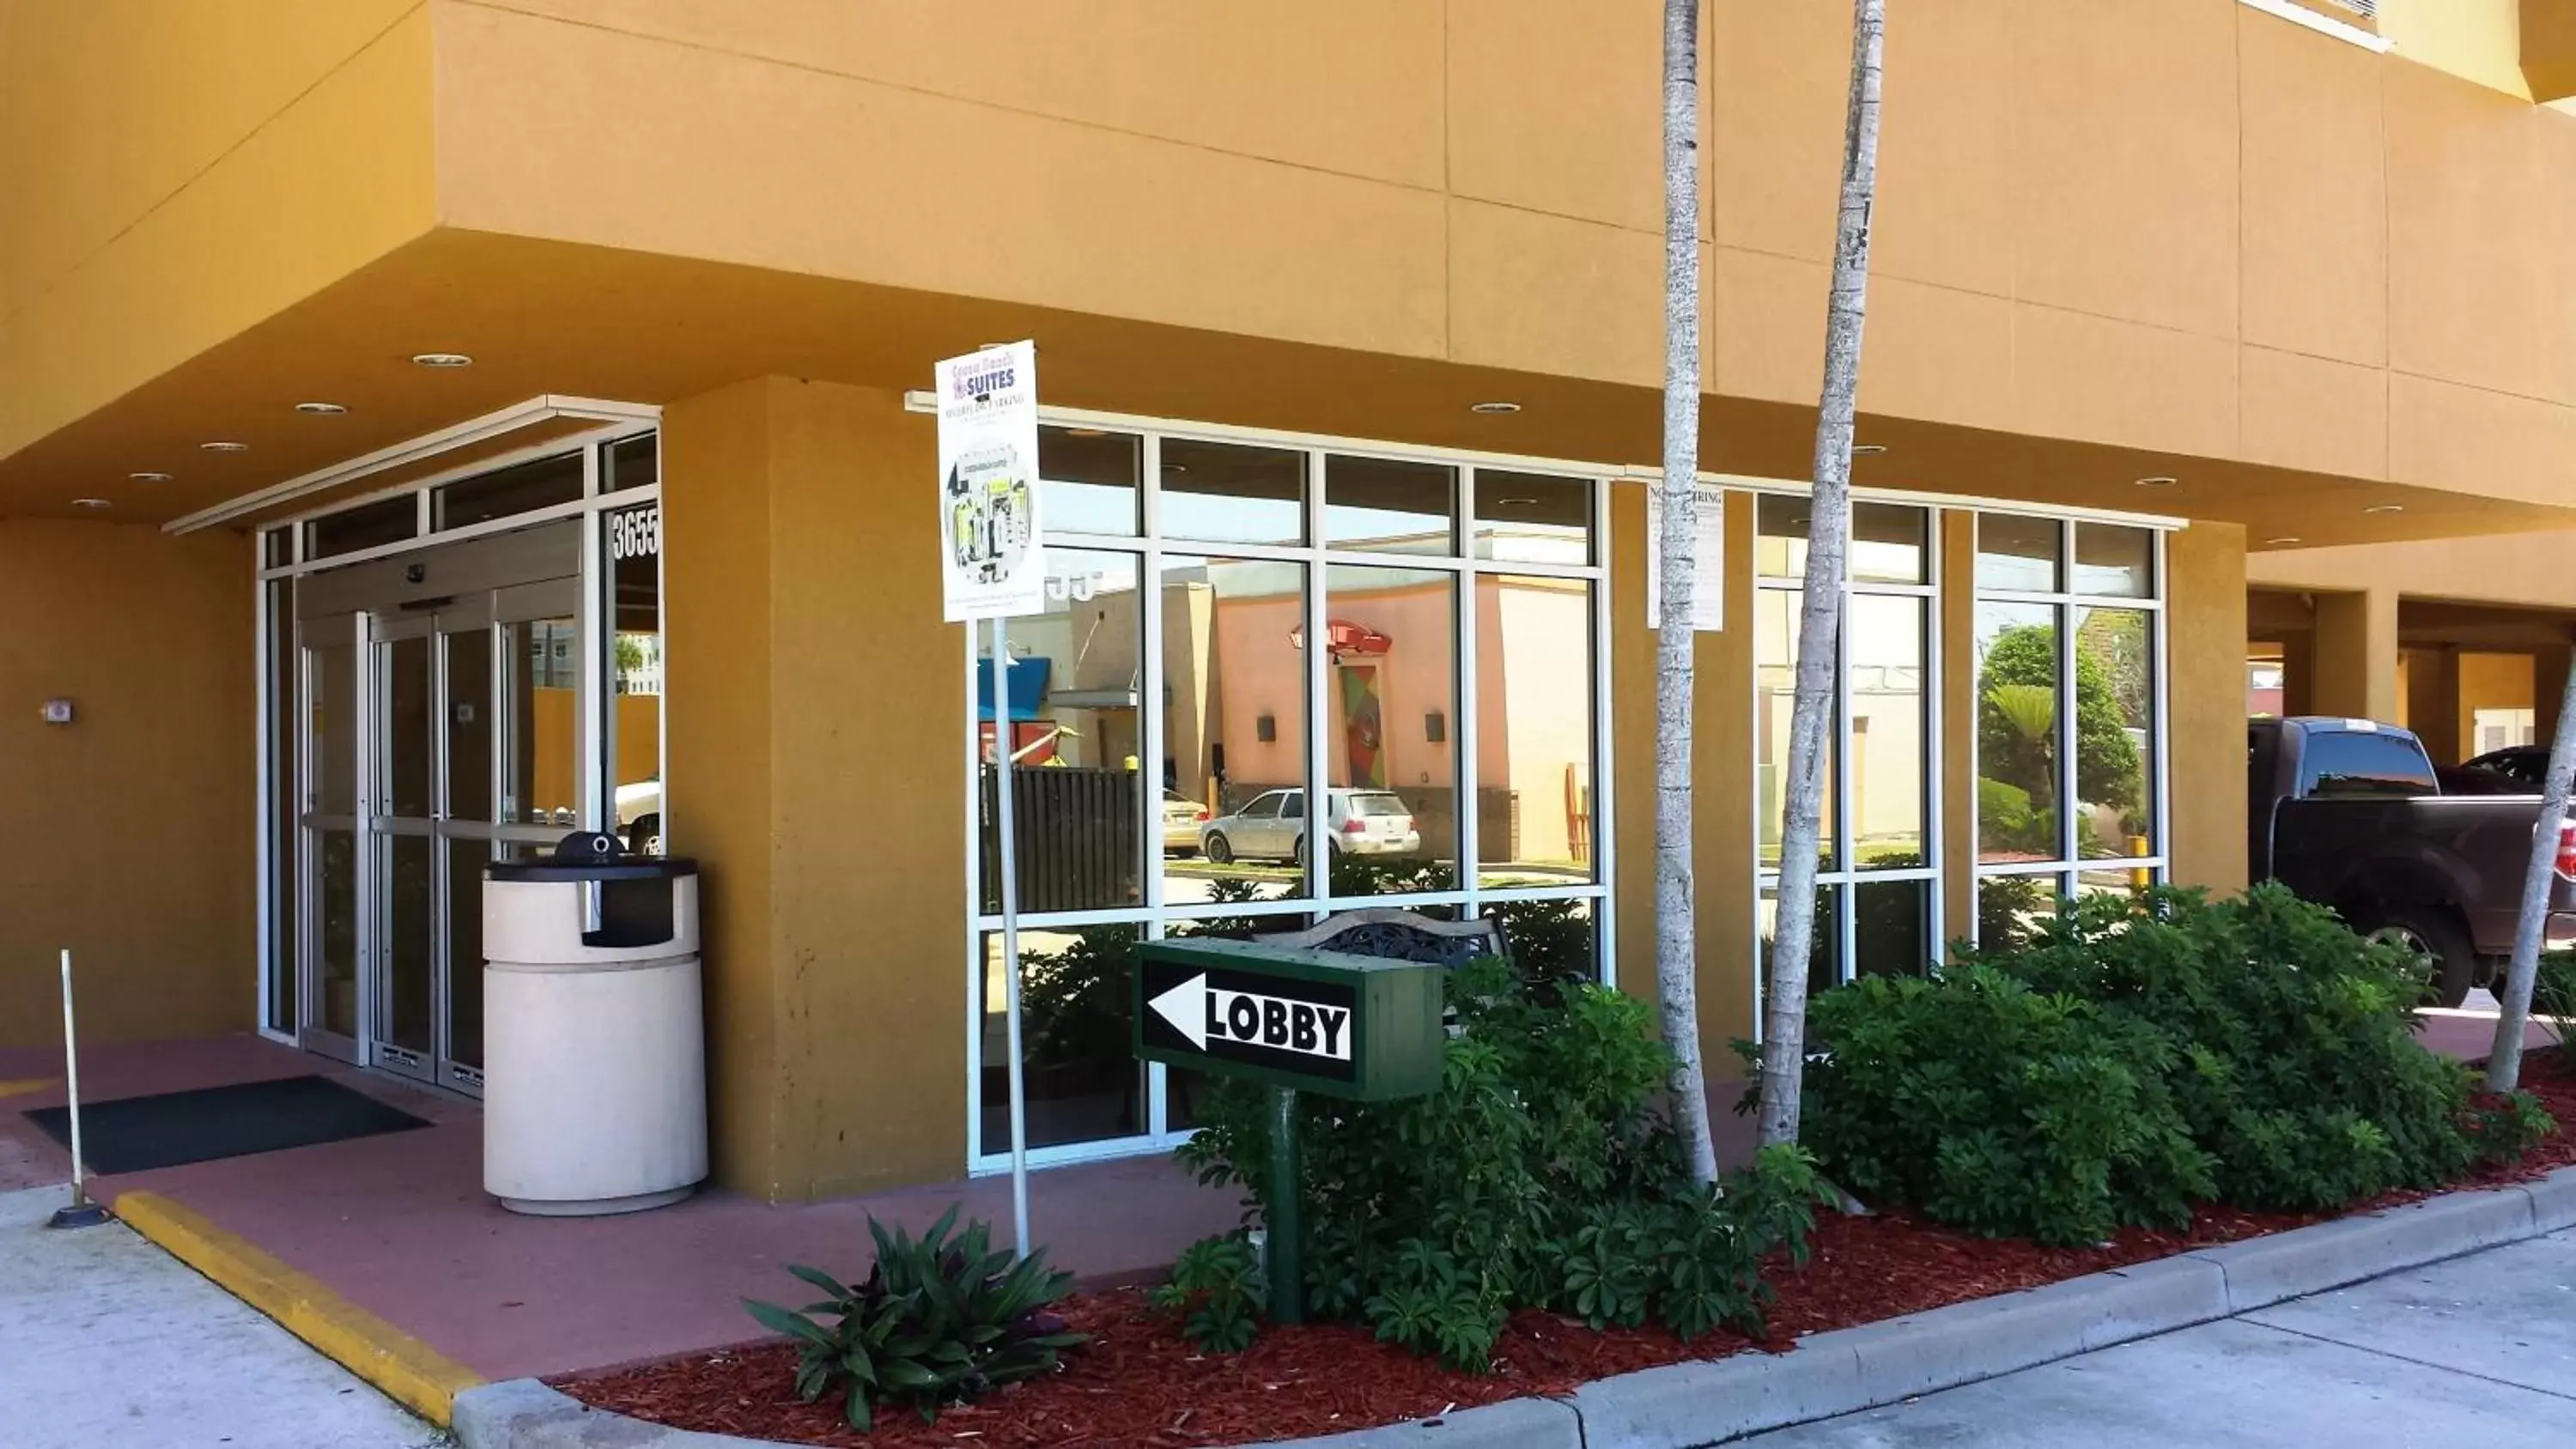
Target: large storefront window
{"type": "Point", "coordinates": [1273, 681]}
{"type": "Point", "coordinates": [2067, 649]}
{"type": "Point", "coordinates": [1877, 906]}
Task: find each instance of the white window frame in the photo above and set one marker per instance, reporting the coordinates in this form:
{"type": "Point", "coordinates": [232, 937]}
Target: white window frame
{"type": "Point", "coordinates": [618, 422]}
{"type": "Point", "coordinates": [1847, 879]}
{"type": "Point", "coordinates": [2070, 866]}
{"type": "Point", "coordinates": [1150, 547]}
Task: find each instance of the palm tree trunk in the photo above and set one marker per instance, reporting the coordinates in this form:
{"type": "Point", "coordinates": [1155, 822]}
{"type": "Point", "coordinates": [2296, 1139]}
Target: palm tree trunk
{"type": "Point", "coordinates": [1784, 1034]}
{"type": "Point", "coordinates": [1676, 928]}
{"type": "Point", "coordinates": [2504, 1063]}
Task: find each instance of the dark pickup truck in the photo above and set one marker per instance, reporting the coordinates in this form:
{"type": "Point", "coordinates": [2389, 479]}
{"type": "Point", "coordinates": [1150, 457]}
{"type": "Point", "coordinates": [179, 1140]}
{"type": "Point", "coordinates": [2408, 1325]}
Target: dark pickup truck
{"type": "Point", "coordinates": [2351, 814]}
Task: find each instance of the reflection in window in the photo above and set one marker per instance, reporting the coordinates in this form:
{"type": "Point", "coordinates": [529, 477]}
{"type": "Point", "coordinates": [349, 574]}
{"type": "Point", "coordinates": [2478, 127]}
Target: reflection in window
{"type": "Point", "coordinates": [1885, 649]}
{"type": "Point", "coordinates": [1234, 728]}
{"type": "Point", "coordinates": [1088, 480]}
{"type": "Point", "coordinates": [1228, 493]}
{"type": "Point", "coordinates": [2113, 560]}
{"type": "Point", "coordinates": [1775, 695]}
{"type": "Point", "coordinates": [529, 486]}
{"type": "Point", "coordinates": [634, 463]}
{"type": "Point", "coordinates": [1073, 724]}
{"type": "Point", "coordinates": [1825, 957]}
{"type": "Point", "coordinates": [1083, 1081]}
{"type": "Point", "coordinates": [1390, 505]}
{"type": "Point", "coordinates": [2017, 758]}
{"type": "Point", "coordinates": [2011, 909]}
{"type": "Point", "coordinates": [632, 548]}
{"type": "Point", "coordinates": [370, 525]}
{"type": "Point", "coordinates": [1534, 673]}
{"type": "Point", "coordinates": [2114, 732]}
{"type": "Point", "coordinates": [1533, 518]}
{"type": "Point", "coordinates": [1892, 927]}
{"type": "Point", "coordinates": [1391, 655]}
{"type": "Point", "coordinates": [541, 723]}
{"type": "Point", "coordinates": [2018, 553]}
{"type": "Point", "coordinates": [1888, 540]}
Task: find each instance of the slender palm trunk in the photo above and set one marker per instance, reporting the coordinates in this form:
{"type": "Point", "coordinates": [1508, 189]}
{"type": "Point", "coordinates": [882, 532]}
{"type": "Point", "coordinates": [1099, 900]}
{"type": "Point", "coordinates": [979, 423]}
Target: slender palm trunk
{"type": "Point", "coordinates": [1676, 929]}
{"type": "Point", "coordinates": [2504, 1064]}
{"type": "Point", "coordinates": [1784, 1026]}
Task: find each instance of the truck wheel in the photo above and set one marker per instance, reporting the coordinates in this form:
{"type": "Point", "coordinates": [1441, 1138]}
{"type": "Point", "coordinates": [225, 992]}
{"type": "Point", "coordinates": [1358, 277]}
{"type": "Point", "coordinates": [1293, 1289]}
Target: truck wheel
{"type": "Point", "coordinates": [2430, 936]}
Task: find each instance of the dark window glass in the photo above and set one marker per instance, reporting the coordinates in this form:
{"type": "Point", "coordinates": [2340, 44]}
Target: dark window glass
{"type": "Point", "coordinates": [1385, 505]}
{"type": "Point", "coordinates": [2366, 762]}
{"type": "Point", "coordinates": [276, 549]}
{"type": "Point", "coordinates": [2019, 553]}
{"type": "Point", "coordinates": [631, 543]}
{"type": "Point", "coordinates": [1533, 518]}
{"type": "Point", "coordinates": [635, 463]}
{"type": "Point", "coordinates": [1087, 480]}
{"type": "Point", "coordinates": [1237, 494]}
{"type": "Point", "coordinates": [372, 526]}
{"type": "Point", "coordinates": [2110, 559]}
{"type": "Point", "coordinates": [529, 486]}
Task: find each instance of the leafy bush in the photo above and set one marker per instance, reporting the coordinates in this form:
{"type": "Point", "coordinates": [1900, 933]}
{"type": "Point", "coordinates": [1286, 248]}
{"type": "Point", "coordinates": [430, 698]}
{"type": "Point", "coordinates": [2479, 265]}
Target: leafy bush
{"type": "Point", "coordinates": [2553, 993]}
{"type": "Point", "coordinates": [1220, 1290]}
{"type": "Point", "coordinates": [1542, 1173]}
{"type": "Point", "coordinates": [939, 1320]}
{"type": "Point", "coordinates": [2135, 1054]}
{"type": "Point", "coordinates": [1998, 1108]}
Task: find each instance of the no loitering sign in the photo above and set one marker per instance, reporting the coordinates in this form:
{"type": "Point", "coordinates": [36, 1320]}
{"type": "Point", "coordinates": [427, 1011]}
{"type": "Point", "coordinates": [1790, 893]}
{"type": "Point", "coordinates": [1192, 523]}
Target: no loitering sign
{"type": "Point", "coordinates": [1316, 1021]}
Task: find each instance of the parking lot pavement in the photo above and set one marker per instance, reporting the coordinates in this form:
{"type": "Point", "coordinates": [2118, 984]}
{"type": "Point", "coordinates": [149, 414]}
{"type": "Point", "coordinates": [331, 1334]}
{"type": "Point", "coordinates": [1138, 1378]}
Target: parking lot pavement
{"type": "Point", "coordinates": [2479, 1350]}
{"type": "Point", "coordinates": [105, 1340]}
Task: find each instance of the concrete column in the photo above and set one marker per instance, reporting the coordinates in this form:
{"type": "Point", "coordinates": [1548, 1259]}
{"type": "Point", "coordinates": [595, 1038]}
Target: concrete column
{"type": "Point", "coordinates": [2205, 705]}
{"type": "Point", "coordinates": [2433, 703]}
{"type": "Point", "coordinates": [2548, 685]}
{"type": "Point", "coordinates": [2356, 654]}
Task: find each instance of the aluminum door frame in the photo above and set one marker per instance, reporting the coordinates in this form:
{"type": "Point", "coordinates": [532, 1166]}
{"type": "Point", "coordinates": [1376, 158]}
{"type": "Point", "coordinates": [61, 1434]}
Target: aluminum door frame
{"type": "Point", "coordinates": [311, 1033]}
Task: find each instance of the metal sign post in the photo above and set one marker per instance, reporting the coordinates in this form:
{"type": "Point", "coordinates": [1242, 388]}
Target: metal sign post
{"type": "Point", "coordinates": [1356, 1027]}
{"type": "Point", "coordinates": [82, 1213]}
{"type": "Point", "coordinates": [993, 566]}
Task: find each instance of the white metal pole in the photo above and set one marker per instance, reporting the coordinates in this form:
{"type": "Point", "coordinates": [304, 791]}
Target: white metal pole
{"type": "Point", "coordinates": [71, 1084]}
{"type": "Point", "coordinates": [1010, 886]}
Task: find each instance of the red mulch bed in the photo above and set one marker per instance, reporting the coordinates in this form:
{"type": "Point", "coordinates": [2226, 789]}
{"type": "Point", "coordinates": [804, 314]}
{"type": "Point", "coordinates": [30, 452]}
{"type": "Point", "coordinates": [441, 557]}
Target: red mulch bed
{"type": "Point", "coordinates": [1139, 1384]}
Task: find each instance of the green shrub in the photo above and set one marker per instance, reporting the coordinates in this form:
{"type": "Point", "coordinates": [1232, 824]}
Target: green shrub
{"type": "Point", "coordinates": [2135, 1054]}
{"type": "Point", "coordinates": [1219, 1289]}
{"type": "Point", "coordinates": [1542, 1173]}
{"type": "Point", "coordinates": [2553, 993]}
{"type": "Point", "coordinates": [939, 1320]}
{"type": "Point", "coordinates": [1998, 1108]}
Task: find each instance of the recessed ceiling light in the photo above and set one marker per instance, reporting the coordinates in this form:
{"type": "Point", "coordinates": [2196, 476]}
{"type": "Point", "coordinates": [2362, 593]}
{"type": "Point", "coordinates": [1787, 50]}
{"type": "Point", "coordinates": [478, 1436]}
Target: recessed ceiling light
{"type": "Point", "coordinates": [2284, 538]}
{"type": "Point", "coordinates": [1868, 450]}
{"type": "Point", "coordinates": [2156, 482]}
{"type": "Point", "coordinates": [1494, 408]}
{"type": "Point", "coordinates": [91, 503]}
{"type": "Point", "coordinates": [225, 447]}
{"type": "Point", "coordinates": [442, 359]}
{"type": "Point", "coordinates": [149, 477]}
{"type": "Point", "coordinates": [321, 409]}
{"type": "Point", "coordinates": [2385, 508]}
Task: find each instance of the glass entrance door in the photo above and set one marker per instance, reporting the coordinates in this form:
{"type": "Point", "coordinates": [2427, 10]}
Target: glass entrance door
{"type": "Point", "coordinates": [441, 715]}
{"type": "Point", "coordinates": [328, 744]}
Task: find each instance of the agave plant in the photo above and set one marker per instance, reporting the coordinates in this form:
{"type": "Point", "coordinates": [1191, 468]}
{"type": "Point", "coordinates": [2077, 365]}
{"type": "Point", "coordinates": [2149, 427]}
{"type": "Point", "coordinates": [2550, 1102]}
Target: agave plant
{"type": "Point", "coordinates": [939, 1320]}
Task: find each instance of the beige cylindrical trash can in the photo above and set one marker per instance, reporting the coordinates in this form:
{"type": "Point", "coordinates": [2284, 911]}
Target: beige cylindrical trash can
{"type": "Point", "coordinates": [594, 1042]}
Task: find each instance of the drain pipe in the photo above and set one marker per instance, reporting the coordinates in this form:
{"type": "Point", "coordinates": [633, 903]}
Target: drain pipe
{"type": "Point", "coordinates": [82, 1213]}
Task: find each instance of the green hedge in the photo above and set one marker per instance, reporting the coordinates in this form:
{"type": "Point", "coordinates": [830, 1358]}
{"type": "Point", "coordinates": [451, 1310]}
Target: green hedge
{"type": "Point", "coordinates": [2140, 1054]}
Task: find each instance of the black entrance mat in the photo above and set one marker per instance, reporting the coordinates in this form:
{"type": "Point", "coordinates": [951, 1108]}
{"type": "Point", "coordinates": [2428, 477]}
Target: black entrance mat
{"type": "Point", "coordinates": [133, 1134]}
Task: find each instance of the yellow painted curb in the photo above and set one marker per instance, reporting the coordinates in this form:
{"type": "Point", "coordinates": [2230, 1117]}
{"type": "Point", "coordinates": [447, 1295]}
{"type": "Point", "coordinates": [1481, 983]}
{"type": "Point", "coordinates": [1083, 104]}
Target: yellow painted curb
{"type": "Point", "coordinates": [22, 1085]}
{"type": "Point", "coordinates": [406, 1369]}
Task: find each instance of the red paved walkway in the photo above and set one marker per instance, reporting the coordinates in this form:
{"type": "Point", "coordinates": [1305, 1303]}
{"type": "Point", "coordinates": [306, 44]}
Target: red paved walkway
{"type": "Point", "coordinates": [399, 1224]}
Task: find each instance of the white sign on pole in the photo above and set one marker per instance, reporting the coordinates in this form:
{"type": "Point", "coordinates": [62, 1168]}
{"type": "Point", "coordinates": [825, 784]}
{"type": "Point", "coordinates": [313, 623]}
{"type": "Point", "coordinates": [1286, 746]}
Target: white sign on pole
{"type": "Point", "coordinates": [1708, 588]}
{"type": "Point", "coordinates": [993, 549]}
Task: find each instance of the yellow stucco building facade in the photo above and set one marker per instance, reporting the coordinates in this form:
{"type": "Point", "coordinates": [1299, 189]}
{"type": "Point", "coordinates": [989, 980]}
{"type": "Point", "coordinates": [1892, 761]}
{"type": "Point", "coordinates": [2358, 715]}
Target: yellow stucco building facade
{"type": "Point", "coordinates": [427, 426]}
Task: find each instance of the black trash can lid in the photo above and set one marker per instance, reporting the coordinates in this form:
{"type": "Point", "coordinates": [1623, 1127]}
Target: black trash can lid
{"type": "Point", "coordinates": [590, 855]}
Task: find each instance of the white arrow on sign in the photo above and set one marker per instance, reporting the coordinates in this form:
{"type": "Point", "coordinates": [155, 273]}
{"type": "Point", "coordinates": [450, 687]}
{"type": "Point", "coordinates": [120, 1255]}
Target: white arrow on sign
{"type": "Point", "coordinates": [1200, 1011]}
{"type": "Point", "coordinates": [1185, 1007]}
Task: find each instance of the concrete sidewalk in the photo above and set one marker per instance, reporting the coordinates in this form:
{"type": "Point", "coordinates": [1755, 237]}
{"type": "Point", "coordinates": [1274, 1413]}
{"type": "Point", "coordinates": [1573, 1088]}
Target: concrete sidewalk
{"type": "Point", "coordinates": [107, 1340]}
{"type": "Point", "coordinates": [2477, 1350]}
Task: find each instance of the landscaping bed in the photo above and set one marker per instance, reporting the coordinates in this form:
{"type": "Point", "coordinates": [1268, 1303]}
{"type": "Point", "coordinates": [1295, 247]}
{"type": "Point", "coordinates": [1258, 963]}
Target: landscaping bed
{"type": "Point", "coordinates": [1139, 1383]}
